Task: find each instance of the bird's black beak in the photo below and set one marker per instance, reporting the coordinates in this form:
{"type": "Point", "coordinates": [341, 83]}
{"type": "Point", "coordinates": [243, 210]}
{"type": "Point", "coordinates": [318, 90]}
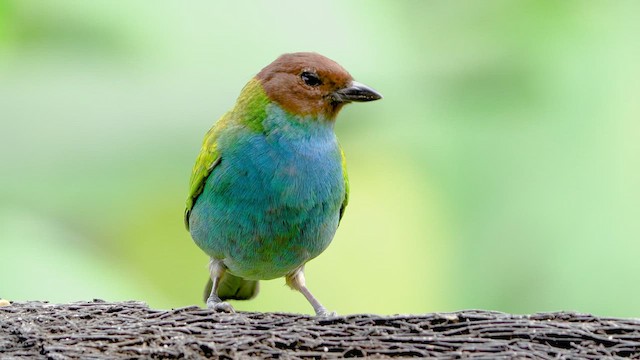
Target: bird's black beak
{"type": "Point", "coordinates": [356, 92]}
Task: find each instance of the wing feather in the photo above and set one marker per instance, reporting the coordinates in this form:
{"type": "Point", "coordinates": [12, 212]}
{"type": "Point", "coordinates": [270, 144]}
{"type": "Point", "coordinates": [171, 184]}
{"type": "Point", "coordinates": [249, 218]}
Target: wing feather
{"type": "Point", "coordinates": [207, 160]}
{"type": "Point", "coordinates": [345, 177]}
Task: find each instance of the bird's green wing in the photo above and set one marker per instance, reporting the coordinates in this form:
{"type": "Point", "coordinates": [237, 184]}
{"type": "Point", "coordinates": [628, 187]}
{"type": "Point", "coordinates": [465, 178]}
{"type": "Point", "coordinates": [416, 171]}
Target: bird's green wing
{"type": "Point", "coordinates": [207, 160]}
{"type": "Point", "coordinates": [251, 110]}
{"type": "Point", "coordinates": [345, 176]}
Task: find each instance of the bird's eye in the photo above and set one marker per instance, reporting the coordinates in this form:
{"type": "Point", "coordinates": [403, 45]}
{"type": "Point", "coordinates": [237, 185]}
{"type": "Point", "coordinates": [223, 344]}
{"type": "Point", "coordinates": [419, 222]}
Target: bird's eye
{"type": "Point", "coordinates": [310, 78]}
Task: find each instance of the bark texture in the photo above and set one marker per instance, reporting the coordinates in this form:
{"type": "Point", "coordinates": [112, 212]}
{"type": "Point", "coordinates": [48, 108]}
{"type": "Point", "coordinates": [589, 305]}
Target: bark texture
{"type": "Point", "coordinates": [130, 330]}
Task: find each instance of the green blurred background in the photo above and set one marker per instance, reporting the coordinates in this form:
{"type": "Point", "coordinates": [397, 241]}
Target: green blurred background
{"type": "Point", "coordinates": [499, 172]}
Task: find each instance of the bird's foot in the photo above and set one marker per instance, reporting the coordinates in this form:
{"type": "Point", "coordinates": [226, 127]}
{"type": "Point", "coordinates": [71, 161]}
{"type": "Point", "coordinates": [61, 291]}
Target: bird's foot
{"type": "Point", "coordinates": [220, 306]}
{"type": "Point", "coordinates": [322, 312]}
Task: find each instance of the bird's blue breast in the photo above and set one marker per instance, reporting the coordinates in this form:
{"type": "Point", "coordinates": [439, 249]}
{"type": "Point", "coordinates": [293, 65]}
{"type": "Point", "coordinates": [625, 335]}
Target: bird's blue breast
{"type": "Point", "coordinates": [273, 201]}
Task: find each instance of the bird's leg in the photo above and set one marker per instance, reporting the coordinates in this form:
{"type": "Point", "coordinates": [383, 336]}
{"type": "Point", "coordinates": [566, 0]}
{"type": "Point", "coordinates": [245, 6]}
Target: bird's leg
{"type": "Point", "coordinates": [217, 270]}
{"type": "Point", "coordinates": [296, 281]}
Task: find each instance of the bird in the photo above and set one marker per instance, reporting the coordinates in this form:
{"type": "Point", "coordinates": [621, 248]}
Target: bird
{"type": "Point", "coordinates": [269, 186]}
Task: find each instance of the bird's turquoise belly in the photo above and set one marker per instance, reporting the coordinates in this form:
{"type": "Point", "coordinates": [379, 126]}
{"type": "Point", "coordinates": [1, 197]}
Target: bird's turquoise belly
{"type": "Point", "coordinates": [267, 209]}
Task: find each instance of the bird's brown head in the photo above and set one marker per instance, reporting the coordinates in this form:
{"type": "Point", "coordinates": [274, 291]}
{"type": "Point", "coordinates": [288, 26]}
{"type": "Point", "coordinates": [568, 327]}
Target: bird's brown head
{"type": "Point", "coordinates": [307, 83]}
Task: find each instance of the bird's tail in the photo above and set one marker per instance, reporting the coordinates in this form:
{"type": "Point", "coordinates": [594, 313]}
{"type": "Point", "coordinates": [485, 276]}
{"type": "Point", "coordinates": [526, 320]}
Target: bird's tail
{"type": "Point", "coordinates": [233, 288]}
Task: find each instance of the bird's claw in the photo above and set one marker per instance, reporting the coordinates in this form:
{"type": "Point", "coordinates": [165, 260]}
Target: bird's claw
{"type": "Point", "coordinates": [325, 313]}
{"type": "Point", "coordinates": [220, 307]}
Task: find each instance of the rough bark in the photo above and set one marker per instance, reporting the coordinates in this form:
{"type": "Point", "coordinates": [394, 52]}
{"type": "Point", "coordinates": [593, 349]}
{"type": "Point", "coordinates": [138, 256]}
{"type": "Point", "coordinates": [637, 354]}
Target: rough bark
{"type": "Point", "coordinates": [130, 330]}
